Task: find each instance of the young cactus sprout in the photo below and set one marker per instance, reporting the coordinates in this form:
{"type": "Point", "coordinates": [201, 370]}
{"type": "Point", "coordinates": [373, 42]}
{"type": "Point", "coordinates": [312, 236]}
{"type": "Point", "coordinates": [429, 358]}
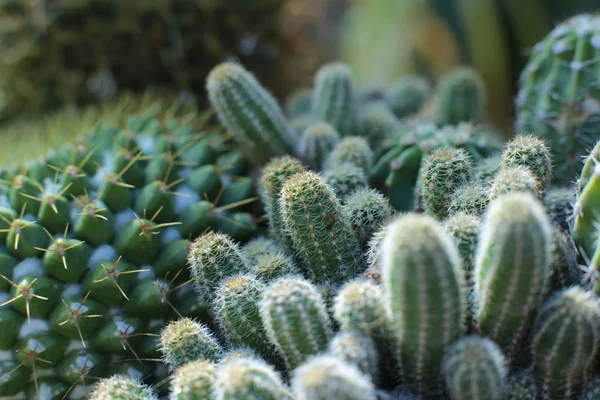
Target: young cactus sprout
{"type": "Point", "coordinates": [249, 112]}
{"type": "Point", "coordinates": [193, 380]}
{"type": "Point", "coordinates": [407, 94]}
{"type": "Point", "coordinates": [529, 151]}
{"type": "Point", "coordinates": [356, 348]}
{"type": "Point", "coordinates": [327, 377]}
{"type": "Point", "coordinates": [513, 179]}
{"type": "Point", "coordinates": [120, 387]}
{"type": "Point", "coordinates": [354, 150]}
{"type": "Point", "coordinates": [424, 292]}
{"type": "Point", "coordinates": [316, 143]}
{"type": "Point", "coordinates": [475, 369]}
{"type": "Point", "coordinates": [512, 267]}
{"type": "Point", "coordinates": [294, 315]}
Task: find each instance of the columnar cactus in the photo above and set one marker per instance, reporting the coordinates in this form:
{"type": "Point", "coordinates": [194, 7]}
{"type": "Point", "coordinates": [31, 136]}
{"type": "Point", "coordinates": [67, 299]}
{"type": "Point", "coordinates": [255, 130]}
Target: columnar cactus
{"type": "Point", "coordinates": [442, 172]}
{"type": "Point", "coordinates": [333, 98]}
{"type": "Point", "coordinates": [356, 348]}
{"type": "Point", "coordinates": [407, 94]}
{"type": "Point", "coordinates": [425, 297]}
{"type": "Point", "coordinates": [249, 112]}
{"type": "Point", "coordinates": [248, 378]}
{"type": "Point", "coordinates": [369, 209]}
{"type": "Point", "coordinates": [531, 152]}
{"type": "Point", "coordinates": [320, 229]}
{"type": "Point", "coordinates": [557, 97]}
{"type": "Point", "coordinates": [316, 143]}
{"type": "Point", "coordinates": [213, 257]}
{"type": "Point", "coordinates": [326, 377]}
{"type": "Point", "coordinates": [475, 368]}
{"type": "Point", "coordinates": [119, 387]}
{"type": "Point", "coordinates": [294, 315]}
{"type": "Point", "coordinates": [193, 380]}
{"type": "Point", "coordinates": [460, 97]}
{"type": "Point", "coordinates": [512, 267]}
{"type": "Point", "coordinates": [186, 340]}
{"type": "Point", "coordinates": [564, 343]}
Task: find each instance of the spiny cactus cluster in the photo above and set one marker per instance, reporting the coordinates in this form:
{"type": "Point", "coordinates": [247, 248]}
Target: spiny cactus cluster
{"type": "Point", "coordinates": [405, 255]}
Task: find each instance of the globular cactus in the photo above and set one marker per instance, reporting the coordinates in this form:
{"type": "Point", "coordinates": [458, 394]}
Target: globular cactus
{"type": "Point", "coordinates": [345, 179]}
{"type": "Point", "coordinates": [213, 257]}
{"type": "Point", "coordinates": [487, 167]}
{"type": "Point", "coordinates": [258, 247]}
{"type": "Point", "coordinates": [377, 123]}
{"type": "Point", "coordinates": [356, 348]}
{"type": "Point", "coordinates": [119, 387]}
{"type": "Point", "coordinates": [529, 151]}
{"type": "Point", "coordinates": [472, 198]}
{"type": "Point", "coordinates": [274, 175]}
{"type": "Point", "coordinates": [514, 179]}
{"type": "Point", "coordinates": [333, 98]}
{"type": "Point", "coordinates": [369, 210]}
{"type": "Point", "coordinates": [407, 94]}
{"type": "Point", "coordinates": [193, 380]}
{"type": "Point", "coordinates": [186, 340]}
{"type": "Point", "coordinates": [249, 112]}
{"type": "Point", "coordinates": [460, 97]}
{"type": "Point", "coordinates": [326, 377]}
{"type": "Point", "coordinates": [512, 267]}
{"type": "Point", "coordinates": [521, 386]}
{"type": "Point", "coordinates": [557, 96]}
{"type": "Point", "coordinates": [317, 142]}
{"type": "Point", "coordinates": [424, 292]}
{"type": "Point", "coordinates": [564, 342]}
{"type": "Point", "coordinates": [354, 150]}
{"type": "Point", "coordinates": [320, 229]}
{"type": "Point", "coordinates": [248, 378]}
{"type": "Point", "coordinates": [295, 318]}
{"type": "Point", "coordinates": [475, 368]}
{"type": "Point", "coordinates": [442, 172]}
{"type": "Point", "coordinates": [269, 267]}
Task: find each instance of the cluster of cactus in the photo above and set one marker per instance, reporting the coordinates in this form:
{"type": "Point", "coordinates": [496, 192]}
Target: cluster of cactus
{"type": "Point", "coordinates": [403, 256]}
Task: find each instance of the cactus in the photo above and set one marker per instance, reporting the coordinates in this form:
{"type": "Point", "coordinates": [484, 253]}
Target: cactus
{"type": "Point", "coordinates": [564, 342]}
{"type": "Point", "coordinates": [559, 201]}
{"type": "Point", "coordinates": [358, 349]}
{"type": "Point", "coordinates": [258, 247]}
{"type": "Point", "coordinates": [368, 210]}
{"type": "Point", "coordinates": [269, 267]}
{"type": "Point", "coordinates": [531, 152]}
{"type": "Point", "coordinates": [193, 380]}
{"type": "Point", "coordinates": [460, 97]}
{"type": "Point", "coordinates": [565, 272]}
{"type": "Point", "coordinates": [515, 179]}
{"type": "Point", "coordinates": [317, 142]}
{"type": "Point", "coordinates": [333, 98]}
{"type": "Point", "coordinates": [521, 386]}
{"type": "Point", "coordinates": [345, 179]}
{"type": "Point", "coordinates": [186, 340]}
{"type": "Point", "coordinates": [377, 123]}
{"type": "Point", "coordinates": [351, 149]}
{"type": "Point", "coordinates": [417, 253]}
{"type": "Point", "coordinates": [327, 377]}
{"type": "Point", "coordinates": [119, 387]}
{"type": "Point", "coordinates": [442, 172]}
{"type": "Point", "coordinates": [486, 168]}
{"type": "Point", "coordinates": [591, 390]}
{"type": "Point", "coordinates": [213, 257]}
{"type": "Point", "coordinates": [511, 272]}
{"type": "Point", "coordinates": [560, 104]}
{"type": "Point", "coordinates": [298, 103]}
{"type": "Point", "coordinates": [407, 94]}
{"type": "Point", "coordinates": [319, 228]}
{"type": "Point", "coordinates": [274, 175]}
{"type": "Point", "coordinates": [249, 112]}
{"type": "Point", "coordinates": [296, 321]}
{"type": "Point", "coordinates": [475, 368]}
{"type": "Point", "coordinates": [248, 378]}
{"type": "Point", "coordinates": [471, 198]}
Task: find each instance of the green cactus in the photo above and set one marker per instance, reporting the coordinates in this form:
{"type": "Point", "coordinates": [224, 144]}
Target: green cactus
{"type": "Point", "coordinates": [460, 97]}
{"type": "Point", "coordinates": [591, 390]}
{"type": "Point", "coordinates": [345, 179]}
{"type": "Point", "coordinates": [269, 267]}
{"type": "Point", "coordinates": [358, 349]}
{"type": "Point", "coordinates": [559, 201]}
{"type": "Point", "coordinates": [317, 142]}
{"type": "Point", "coordinates": [249, 112]}
{"type": "Point", "coordinates": [442, 172]}
{"type": "Point", "coordinates": [486, 168]}
{"type": "Point", "coordinates": [327, 377]}
{"type": "Point", "coordinates": [333, 98]}
{"type": "Point", "coordinates": [521, 386]}
{"type": "Point", "coordinates": [186, 340]}
{"type": "Point", "coordinates": [258, 247]}
{"type": "Point", "coordinates": [425, 296]}
{"type": "Point", "coordinates": [407, 94]}
{"type": "Point", "coordinates": [514, 179]}
{"type": "Point", "coordinates": [558, 95]}
{"type": "Point", "coordinates": [475, 368]}
{"type": "Point", "coordinates": [368, 210]}
{"type": "Point", "coordinates": [320, 229]}
{"type": "Point", "coordinates": [193, 380]}
{"type": "Point", "coordinates": [298, 103]}
{"type": "Point", "coordinates": [472, 198]}
{"type": "Point", "coordinates": [511, 272]}
{"type": "Point", "coordinates": [565, 271]}
{"type": "Point", "coordinates": [119, 387]}
{"type": "Point", "coordinates": [351, 149]}
{"type": "Point", "coordinates": [295, 318]}
{"type": "Point", "coordinates": [531, 152]}
{"type": "Point", "coordinates": [565, 338]}
{"type": "Point", "coordinates": [249, 378]}
{"type": "Point", "coordinates": [377, 123]}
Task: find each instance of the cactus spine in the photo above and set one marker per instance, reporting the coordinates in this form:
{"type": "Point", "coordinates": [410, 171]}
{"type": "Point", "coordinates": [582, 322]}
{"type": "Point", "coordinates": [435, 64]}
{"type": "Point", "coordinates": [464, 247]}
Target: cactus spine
{"type": "Point", "coordinates": [512, 266]}
{"type": "Point", "coordinates": [424, 293]}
